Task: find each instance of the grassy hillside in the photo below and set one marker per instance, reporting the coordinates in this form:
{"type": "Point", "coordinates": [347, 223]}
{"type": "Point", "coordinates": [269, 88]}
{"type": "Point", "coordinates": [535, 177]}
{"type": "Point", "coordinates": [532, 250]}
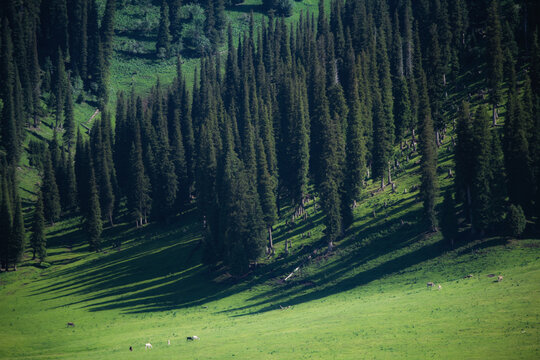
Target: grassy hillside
{"type": "Point", "coordinates": [141, 70]}
{"type": "Point", "coordinates": [368, 300]}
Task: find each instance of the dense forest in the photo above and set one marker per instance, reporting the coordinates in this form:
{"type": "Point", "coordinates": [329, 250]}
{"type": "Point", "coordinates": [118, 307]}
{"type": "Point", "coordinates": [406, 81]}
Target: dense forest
{"type": "Point", "coordinates": [286, 113]}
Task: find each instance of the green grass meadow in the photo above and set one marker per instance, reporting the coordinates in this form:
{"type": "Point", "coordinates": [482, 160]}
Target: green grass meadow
{"type": "Point", "coordinates": [368, 300]}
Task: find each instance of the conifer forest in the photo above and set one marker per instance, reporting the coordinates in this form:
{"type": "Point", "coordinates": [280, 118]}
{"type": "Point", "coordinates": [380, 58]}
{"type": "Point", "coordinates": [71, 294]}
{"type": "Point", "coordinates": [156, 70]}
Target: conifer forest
{"type": "Point", "coordinates": [267, 156]}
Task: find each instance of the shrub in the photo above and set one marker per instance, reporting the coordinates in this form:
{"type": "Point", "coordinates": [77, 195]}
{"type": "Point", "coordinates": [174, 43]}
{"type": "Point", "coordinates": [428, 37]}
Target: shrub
{"type": "Point", "coordinates": [278, 7]}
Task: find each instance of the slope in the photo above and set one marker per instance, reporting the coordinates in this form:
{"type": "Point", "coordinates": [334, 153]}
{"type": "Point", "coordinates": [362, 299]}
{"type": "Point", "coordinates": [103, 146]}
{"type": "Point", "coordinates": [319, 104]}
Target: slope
{"type": "Point", "coordinates": [368, 299]}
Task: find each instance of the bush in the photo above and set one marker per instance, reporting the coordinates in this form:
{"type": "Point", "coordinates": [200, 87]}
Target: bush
{"type": "Point", "coordinates": [278, 7]}
{"type": "Point", "coordinates": [284, 8]}
{"type": "Point", "coordinates": [515, 220]}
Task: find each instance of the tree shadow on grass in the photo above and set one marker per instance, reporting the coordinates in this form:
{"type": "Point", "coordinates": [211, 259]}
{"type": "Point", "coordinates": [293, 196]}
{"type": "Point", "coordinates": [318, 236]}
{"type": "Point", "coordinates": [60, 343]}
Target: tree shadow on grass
{"type": "Point", "coordinates": [130, 55]}
{"type": "Point", "coordinates": [246, 8]}
{"type": "Point", "coordinates": [158, 267]}
{"type": "Point", "coordinates": [381, 252]}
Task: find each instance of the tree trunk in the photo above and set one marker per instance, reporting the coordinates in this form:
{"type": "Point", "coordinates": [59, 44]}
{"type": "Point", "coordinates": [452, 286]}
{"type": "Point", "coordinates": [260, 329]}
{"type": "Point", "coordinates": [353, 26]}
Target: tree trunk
{"type": "Point", "coordinates": [270, 241]}
{"type": "Point", "coordinates": [469, 202]}
{"type": "Point", "coordinates": [413, 137]}
{"type": "Point", "coordinates": [278, 205]}
{"type": "Point", "coordinates": [34, 254]}
{"type": "Point", "coordinates": [287, 247]}
{"type": "Point", "coordinates": [389, 174]}
{"type": "Point", "coordinates": [494, 115]}
{"type": "Point", "coordinates": [382, 182]}
{"type": "Point", "coordinates": [111, 219]}
{"type": "Point", "coordinates": [330, 245]}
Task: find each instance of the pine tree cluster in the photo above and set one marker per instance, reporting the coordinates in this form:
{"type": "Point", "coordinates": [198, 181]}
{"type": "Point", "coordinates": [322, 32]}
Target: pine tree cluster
{"type": "Point", "coordinates": [322, 102]}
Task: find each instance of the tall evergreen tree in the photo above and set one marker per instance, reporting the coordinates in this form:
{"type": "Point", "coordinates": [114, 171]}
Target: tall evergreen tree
{"type": "Point", "coordinates": [242, 223]}
{"type": "Point", "coordinates": [163, 43]}
{"type": "Point", "coordinates": [69, 120]}
{"type": "Point", "coordinates": [93, 224]}
{"type": "Point", "coordinates": [60, 88]}
{"type": "Point", "coordinates": [267, 192]}
{"type": "Point", "coordinates": [428, 160]}
{"type": "Point", "coordinates": [356, 147]}
{"type": "Point", "coordinates": [9, 124]}
{"type": "Point", "coordinates": [449, 220]}
{"type": "Point", "coordinates": [49, 189]}
{"type": "Point", "coordinates": [107, 32]}
{"type": "Point", "coordinates": [17, 236]}
{"type": "Point", "coordinates": [70, 187]}
{"type": "Point", "coordinates": [464, 160]}
{"type": "Point", "coordinates": [139, 200]}
{"type": "Point", "coordinates": [82, 173]}
{"type": "Point", "coordinates": [38, 240]}
{"type": "Point", "coordinates": [516, 152]}
{"type": "Point", "coordinates": [481, 181]}
{"type": "Point", "coordinates": [94, 47]}
{"type": "Point", "coordinates": [494, 57]}
{"type": "Point", "coordinates": [6, 221]}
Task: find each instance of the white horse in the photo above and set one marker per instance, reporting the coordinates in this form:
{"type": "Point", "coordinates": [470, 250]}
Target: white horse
{"type": "Point", "coordinates": [148, 346]}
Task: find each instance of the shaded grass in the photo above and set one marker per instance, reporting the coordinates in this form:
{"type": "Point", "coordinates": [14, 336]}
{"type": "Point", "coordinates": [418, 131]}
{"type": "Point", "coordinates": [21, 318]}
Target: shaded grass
{"type": "Point", "coordinates": [367, 299]}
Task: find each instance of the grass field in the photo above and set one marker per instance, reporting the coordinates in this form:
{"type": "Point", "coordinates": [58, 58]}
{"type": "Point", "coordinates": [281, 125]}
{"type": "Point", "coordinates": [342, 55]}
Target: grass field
{"type": "Point", "coordinates": [368, 300]}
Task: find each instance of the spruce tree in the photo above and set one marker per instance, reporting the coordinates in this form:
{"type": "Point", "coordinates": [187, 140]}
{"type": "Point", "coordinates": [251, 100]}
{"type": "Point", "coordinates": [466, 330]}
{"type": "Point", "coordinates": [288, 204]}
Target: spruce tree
{"type": "Point", "coordinates": [17, 236]}
{"type": "Point", "coordinates": [38, 239]}
{"type": "Point", "coordinates": [6, 221]}
{"type": "Point", "coordinates": [516, 152]}
{"type": "Point", "coordinates": [163, 43]}
{"type": "Point", "coordinates": [242, 216]}
{"type": "Point", "coordinates": [498, 189]}
{"type": "Point", "coordinates": [69, 121]}
{"type": "Point", "coordinates": [9, 124]}
{"type": "Point", "coordinates": [139, 200]}
{"type": "Point", "coordinates": [82, 174]}
{"type": "Point", "coordinates": [49, 189]}
{"type": "Point", "coordinates": [449, 220]}
{"type": "Point", "coordinates": [60, 88]}
{"type": "Point", "coordinates": [481, 184]}
{"type": "Point", "coordinates": [267, 192]}
{"type": "Point", "coordinates": [356, 147]}
{"type": "Point", "coordinates": [107, 33]}
{"type": "Point", "coordinates": [464, 160]}
{"type": "Point", "coordinates": [94, 47]}
{"type": "Point", "coordinates": [93, 223]}
{"type": "Point", "coordinates": [494, 57]}
{"type": "Point", "coordinates": [428, 160]}
{"type": "Point", "coordinates": [178, 158]}
{"type": "Point", "coordinates": [35, 77]}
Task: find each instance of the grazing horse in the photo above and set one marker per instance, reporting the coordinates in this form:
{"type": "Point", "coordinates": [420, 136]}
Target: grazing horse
{"type": "Point", "coordinates": [430, 284]}
{"type": "Point", "coordinates": [148, 346]}
{"type": "Point", "coordinates": [70, 324]}
{"type": "Point", "coordinates": [191, 338]}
